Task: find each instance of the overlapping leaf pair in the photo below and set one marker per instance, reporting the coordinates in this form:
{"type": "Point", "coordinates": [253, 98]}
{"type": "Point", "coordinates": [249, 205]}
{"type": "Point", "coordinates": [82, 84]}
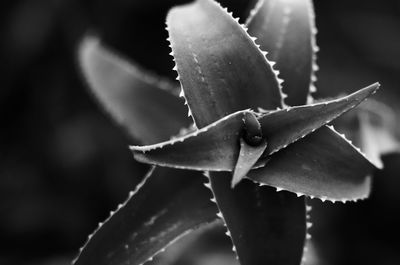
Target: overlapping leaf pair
{"type": "Point", "coordinates": [242, 128]}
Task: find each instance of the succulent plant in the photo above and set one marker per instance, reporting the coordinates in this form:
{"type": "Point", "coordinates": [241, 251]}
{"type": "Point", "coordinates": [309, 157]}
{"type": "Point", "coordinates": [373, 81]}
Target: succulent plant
{"type": "Point", "coordinates": [246, 153]}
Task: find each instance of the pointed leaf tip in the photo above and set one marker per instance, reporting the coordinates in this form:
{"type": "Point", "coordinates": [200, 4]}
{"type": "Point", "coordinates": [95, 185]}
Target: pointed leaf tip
{"type": "Point", "coordinates": [214, 147]}
{"type": "Point", "coordinates": [248, 157]}
{"type": "Point", "coordinates": [283, 127]}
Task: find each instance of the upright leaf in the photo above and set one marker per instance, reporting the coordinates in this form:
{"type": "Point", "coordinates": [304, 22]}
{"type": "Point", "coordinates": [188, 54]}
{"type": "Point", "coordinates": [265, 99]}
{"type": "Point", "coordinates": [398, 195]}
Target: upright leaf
{"type": "Point", "coordinates": [285, 29]}
{"type": "Point", "coordinates": [135, 99]}
{"type": "Point", "coordinates": [220, 67]}
{"type": "Point", "coordinates": [222, 71]}
{"type": "Point", "coordinates": [158, 213]}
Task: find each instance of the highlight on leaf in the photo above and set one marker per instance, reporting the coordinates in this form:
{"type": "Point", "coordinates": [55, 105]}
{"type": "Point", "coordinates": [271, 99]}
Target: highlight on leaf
{"type": "Point", "coordinates": [248, 157]}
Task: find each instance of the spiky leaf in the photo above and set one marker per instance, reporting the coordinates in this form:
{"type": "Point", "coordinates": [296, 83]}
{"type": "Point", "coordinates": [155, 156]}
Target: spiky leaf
{"type": "Point", "coordinates": [134, 98]}
{"type": "Point", "coordinates": [286, 126]}
{"type": "Point", "coordinates": [151, 219]}
{"type": "Point", "coordinates": [216, 146]}
{"type": "Point", "coordinates": [220, 67]}
{"type": "Point", "coordinates": [285, 29]}
{"type": "Point", "coordinates": [322, 164]}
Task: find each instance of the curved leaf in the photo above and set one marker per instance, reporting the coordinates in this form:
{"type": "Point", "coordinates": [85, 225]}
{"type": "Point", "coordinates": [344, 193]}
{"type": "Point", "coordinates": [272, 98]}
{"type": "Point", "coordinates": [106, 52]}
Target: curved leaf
{"type": "Point", "coordinates": [134, 98]}
{"type": "Point", "coordinates": [322, 165]}
{"type": "Point", "coordinates": [216, 146]}
{"type": "Point", "coordinates": [167, 205]}
{"type": "Point", "coordinates": [285, 29]}
{"type": "Point", "coordinates": [219, 66]}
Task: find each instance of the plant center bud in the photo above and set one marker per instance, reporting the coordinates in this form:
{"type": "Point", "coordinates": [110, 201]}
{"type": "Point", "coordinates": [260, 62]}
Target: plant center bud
{"type": "Point", "coordinates": [252, 130]}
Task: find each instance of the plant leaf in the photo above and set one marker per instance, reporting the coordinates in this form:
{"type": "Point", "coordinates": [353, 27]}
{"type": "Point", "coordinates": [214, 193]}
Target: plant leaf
{"type": "Point", "coordinates": [267, 227]}
{"type": "Point", "coordinates": [285, 29]}
{"type": "Point", "coordinates": [151, 219]}
{"type": "Point", "coordinates": [322, 165]}
{"type": "Point", "coordinates": [284, 127]}
{"type": "Point", "coordinates": [219, 66]}
{"type": "Point", "coordinates": [135, 99]}
{"type": "Point", "coordinates": [226, 73]}
{"type": "Point", "coordinates": [216, 146]}
{"type": "Point", "coordinates": [248, 156]}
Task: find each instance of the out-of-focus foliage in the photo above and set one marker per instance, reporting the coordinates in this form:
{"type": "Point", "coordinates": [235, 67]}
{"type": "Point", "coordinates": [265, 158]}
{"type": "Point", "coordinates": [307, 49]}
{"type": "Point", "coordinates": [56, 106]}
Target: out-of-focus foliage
{"type": "Point", "coordinates": [64, 164]}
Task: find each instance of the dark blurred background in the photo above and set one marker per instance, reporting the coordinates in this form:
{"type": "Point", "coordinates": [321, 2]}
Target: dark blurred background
{"type": "Point", "coordinates": [64, 164]}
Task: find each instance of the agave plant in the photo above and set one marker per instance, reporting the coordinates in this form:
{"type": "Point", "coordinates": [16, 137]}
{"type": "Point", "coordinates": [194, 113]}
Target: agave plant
{"type": "Point", "coordinates": [246, 153]}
